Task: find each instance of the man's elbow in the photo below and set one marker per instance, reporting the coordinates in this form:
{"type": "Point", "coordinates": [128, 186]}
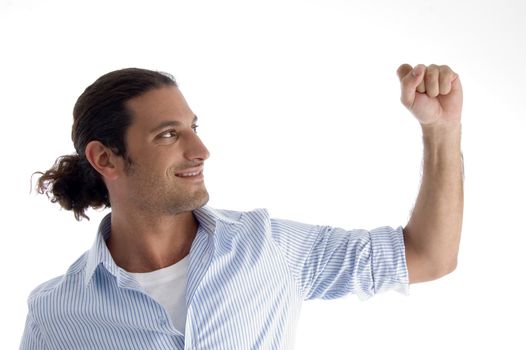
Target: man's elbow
{"type": "Point", "coordinates": [444, 268]}
{"type": "Point", "coordinates": [427, 267]}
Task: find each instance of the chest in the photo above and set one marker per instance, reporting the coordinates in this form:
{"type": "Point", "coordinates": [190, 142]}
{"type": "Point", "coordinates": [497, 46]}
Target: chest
{"type": "Point", "coordinates": [247, 297]}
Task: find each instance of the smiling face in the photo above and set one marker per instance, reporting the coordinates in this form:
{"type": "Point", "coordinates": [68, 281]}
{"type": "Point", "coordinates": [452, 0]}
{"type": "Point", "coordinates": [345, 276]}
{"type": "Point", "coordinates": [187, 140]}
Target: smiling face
{"type": "Point", "coordinates": [167, 156]}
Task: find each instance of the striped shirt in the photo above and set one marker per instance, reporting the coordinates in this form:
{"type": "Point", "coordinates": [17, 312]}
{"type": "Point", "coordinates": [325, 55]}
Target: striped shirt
{"type": "Point", "coordinates": [248, 275]}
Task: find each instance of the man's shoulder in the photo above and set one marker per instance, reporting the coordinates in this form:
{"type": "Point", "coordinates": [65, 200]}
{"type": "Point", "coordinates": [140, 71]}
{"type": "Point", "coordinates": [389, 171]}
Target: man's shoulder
{"type": "Point", "coordinates": [49, 288]}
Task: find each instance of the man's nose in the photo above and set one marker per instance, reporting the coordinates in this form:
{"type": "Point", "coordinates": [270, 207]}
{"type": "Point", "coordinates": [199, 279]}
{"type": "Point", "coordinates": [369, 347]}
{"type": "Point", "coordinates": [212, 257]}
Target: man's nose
{"type": "Point", "coordinates": [195, 148]}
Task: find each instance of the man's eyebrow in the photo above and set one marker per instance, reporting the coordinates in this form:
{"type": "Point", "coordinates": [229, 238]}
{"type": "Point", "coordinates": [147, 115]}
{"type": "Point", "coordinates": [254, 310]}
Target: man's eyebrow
{"type": "Point", "coordinates": [166, 123]}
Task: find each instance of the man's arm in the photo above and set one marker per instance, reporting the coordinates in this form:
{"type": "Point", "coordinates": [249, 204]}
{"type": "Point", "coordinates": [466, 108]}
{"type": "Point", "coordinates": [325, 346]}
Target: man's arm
{"type": "Point", "coordinates": [432, 235]}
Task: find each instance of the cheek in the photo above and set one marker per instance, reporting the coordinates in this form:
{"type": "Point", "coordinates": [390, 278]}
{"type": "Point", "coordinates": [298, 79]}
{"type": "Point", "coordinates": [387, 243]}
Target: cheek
{"type": "Point", "coordinates": [146, 158]}
{"type": "Point", "coordinates": [157, 161]}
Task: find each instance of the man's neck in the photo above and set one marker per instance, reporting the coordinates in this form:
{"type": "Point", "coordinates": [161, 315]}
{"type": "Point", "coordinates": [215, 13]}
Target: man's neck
{"type": "Point", "coordinates": [143, 243]}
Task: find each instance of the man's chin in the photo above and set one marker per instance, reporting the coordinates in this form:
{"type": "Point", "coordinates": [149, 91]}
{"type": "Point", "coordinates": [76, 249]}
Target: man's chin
{"type": "Point", "coordinates": [204, 200]}
{"type": "Point", "coordinates": [189, 202]}
{"type": "Point", "coordinates": [200, 200]}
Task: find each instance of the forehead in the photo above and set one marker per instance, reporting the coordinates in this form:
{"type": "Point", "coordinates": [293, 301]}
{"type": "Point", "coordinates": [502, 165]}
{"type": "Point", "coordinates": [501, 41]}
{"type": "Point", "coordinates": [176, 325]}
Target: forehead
{"type": "Point", "coordinates": [158, 105]}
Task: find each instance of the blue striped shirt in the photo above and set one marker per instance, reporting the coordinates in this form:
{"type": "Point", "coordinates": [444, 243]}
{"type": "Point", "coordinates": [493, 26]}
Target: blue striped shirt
{"type": "Point", "coordinates": [248, 275]}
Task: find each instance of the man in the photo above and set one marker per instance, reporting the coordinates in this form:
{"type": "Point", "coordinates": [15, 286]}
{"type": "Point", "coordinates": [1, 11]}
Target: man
{"type": "Point", "coordinates": [168, 272]}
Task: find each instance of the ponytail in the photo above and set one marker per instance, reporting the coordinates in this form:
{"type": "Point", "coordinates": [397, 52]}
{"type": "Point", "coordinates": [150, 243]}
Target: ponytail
{"type": "Point", "coordinates": [74, 184]}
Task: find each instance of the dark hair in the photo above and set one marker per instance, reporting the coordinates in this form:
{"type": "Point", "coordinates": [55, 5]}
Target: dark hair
{"type": "Point", "coordinates": [99, 114]}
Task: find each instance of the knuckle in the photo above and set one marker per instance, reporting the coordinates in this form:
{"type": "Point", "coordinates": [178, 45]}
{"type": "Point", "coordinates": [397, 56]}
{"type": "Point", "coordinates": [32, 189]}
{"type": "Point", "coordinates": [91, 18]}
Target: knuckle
{"type": "Point", "coordinates": [432, 71]}
{"type": "Point", "coordinates": [431, 78]}
{"type": "Point", "coordinates": [445, 68]}
{"type": "Point", "coordinates": [404, 68]}
{"type": "Point", "coordinates": [447, 73]}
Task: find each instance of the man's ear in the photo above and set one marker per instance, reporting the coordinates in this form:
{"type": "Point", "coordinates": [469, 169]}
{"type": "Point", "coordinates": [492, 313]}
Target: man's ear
{"type": "Point", "coordinates": [103, 160]}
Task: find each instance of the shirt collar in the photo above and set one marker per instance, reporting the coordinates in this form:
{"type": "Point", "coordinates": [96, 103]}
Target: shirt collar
{"type": "Point", "coordinates": [208, 217]}
{"type": "Point", "coordinates": [99, 253]}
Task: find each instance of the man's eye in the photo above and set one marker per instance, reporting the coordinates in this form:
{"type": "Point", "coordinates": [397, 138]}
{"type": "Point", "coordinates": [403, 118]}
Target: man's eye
{"type": "Point", "coordinates": [168, 134]}
{"type": "Point", "coordinates": [173, 133]}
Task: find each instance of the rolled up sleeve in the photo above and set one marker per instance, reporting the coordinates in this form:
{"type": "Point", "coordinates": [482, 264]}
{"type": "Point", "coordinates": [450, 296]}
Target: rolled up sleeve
{"type": "Point", "coordinates": [332, 262]}
{"type": "Point", "coordinates": [389, 267]}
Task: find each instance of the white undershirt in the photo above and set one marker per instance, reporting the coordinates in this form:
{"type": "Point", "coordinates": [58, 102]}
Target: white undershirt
{"type": "Point", "coordinates": [168, 287]}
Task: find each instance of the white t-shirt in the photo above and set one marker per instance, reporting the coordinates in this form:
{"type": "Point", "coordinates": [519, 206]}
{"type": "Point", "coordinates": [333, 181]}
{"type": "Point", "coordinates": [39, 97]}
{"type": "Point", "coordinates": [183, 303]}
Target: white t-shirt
{"type": "Point", "coordinates": [168, 287]}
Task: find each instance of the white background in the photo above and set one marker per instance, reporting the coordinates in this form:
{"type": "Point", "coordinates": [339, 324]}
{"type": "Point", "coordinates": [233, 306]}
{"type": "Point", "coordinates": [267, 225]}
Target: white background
{"type": "Point", "coordinates": [298, 102]}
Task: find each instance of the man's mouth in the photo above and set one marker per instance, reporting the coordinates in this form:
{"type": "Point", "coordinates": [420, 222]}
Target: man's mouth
{"type": "Point", "coordinates": [189, 174]}
{"type": "Point", "coordinates": [192, 172]}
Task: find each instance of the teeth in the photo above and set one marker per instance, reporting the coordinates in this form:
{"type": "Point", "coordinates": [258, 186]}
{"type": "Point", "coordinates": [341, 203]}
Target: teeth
{"type": "Point", "coordinates": [190, 174]}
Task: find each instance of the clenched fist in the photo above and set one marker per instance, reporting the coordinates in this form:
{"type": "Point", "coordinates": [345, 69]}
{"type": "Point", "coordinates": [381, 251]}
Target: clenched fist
{"type": "Point", "coordinates": [433, 94]}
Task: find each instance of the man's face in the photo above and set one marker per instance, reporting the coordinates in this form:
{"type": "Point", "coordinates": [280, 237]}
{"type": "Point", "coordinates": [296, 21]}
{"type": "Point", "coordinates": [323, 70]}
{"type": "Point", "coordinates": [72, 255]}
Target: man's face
{"type": "Point", "coordinates": [166, 154]}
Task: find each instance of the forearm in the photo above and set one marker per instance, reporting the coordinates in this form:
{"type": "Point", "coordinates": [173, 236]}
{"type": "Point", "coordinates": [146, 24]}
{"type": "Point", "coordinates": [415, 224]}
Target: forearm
{"type": "Point", "coordinates": [434, 228]}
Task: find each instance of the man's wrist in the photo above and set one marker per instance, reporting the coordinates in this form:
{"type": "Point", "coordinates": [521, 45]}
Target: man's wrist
{"type": "Point", "coordinates": [440, 129]}
{"type": "Point", "coordinates": [444, 134]}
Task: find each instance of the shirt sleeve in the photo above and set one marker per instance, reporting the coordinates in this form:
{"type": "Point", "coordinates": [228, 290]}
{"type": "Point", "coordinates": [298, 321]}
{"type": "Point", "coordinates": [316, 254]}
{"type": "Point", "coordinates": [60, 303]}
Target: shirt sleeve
{"type": "Point", "coordinates": [330, 263]}
{"type": "Point", "coordinates": [32, 338]}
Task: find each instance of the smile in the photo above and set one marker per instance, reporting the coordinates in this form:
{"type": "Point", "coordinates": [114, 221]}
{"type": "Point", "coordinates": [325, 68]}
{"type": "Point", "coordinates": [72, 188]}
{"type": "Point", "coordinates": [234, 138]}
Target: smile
{"type": "Point", "coordinates": [188, 174]}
